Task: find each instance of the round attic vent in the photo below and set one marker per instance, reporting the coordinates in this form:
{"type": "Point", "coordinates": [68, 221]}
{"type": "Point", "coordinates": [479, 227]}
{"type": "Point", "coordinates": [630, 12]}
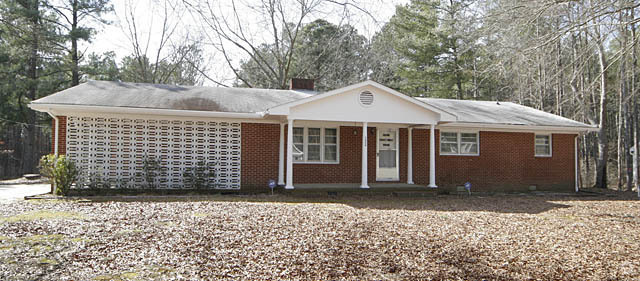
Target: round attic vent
{"type": "Point", "coordinates": [366, 98]}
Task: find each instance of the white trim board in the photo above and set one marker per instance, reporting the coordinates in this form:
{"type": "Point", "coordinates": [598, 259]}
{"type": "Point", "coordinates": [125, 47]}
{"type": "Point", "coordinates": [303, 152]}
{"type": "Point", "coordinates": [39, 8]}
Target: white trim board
{"type": "Point", "coordinates": [515, 128]}
{"type": "Point", "coordinates": [62, 109]}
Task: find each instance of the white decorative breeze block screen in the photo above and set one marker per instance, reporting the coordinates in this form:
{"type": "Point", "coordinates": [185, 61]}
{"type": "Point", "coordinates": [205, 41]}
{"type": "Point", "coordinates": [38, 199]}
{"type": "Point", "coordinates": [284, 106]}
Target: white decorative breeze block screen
{"type": "Point", "coordinates": [115, 148]}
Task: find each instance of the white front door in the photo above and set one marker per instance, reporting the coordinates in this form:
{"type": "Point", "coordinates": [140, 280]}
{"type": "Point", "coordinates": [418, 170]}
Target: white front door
{"type": "Point", "coordinates": [387, 155]}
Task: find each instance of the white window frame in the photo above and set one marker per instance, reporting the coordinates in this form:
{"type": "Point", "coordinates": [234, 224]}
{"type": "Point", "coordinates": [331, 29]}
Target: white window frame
{"type": "Point", "coordinates": [459, 141]}
{"type": "Point", "coordinates": [535, 153]}
{"type": "Point", "coordinates": [322, 145]}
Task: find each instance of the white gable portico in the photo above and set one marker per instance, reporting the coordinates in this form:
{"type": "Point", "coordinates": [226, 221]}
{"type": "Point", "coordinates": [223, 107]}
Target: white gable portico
{"type": "Point", "coordinates": [367, 104]}
{"type": "Point", "coordinates": [363, 102]}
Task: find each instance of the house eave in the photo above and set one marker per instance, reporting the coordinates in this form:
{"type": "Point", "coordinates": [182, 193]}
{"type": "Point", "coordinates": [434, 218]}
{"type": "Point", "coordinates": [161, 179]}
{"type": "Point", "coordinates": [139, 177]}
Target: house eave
{"type": "Point", "coordinates": [518, 128]}
{"type": "Point", "coordinates": [61, 109]}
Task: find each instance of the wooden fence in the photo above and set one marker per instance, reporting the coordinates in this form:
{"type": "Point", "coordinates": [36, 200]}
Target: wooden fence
{"type": "Point", "coordinates": [12, 148]}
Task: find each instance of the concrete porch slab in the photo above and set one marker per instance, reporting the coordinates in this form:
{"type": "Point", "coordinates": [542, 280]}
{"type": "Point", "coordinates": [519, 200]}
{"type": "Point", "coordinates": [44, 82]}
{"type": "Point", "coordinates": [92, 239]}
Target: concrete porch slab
{"type": "Point", "coordinates": [398, 189]}
{"type": "Point", "coordinates": [357, 186]}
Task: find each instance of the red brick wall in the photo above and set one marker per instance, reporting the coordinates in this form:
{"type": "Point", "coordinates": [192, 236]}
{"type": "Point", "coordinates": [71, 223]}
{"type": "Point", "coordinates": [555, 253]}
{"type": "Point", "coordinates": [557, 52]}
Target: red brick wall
{"type": "Point", "coordinates": [259, 151]}
{"type": "Point", "coordinates": [506, 160]}
{"type": "Point", "coordinates": [421, 156]}
{"type": "Point", "coordinates": [347, 171]}
{"type": "Point", "coordinates": [260, 154]}
{"type": "Point", "coordinates": [62, 138]}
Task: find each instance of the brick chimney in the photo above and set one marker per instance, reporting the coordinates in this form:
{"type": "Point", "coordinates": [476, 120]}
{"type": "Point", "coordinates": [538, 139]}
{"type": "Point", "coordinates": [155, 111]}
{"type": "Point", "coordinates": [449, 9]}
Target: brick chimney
{"type": "Point", "coordinates": [301, 84]}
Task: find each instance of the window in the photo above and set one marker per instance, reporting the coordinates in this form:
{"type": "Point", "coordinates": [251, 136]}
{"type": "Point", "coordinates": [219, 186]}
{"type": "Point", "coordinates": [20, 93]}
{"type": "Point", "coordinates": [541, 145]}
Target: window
{"type": "Point", "coordinates": [313, 144]}
{"type": "Point", "coordinates": [298, 144]}
{"type": "Point", "coordinates": [459, 143]}
{"type": "Point", "coordinates": [316, 145]}
{"type": "Point", "coordinates": [330, 144]}
{"type": "Point", "coordinates": [543, 145]}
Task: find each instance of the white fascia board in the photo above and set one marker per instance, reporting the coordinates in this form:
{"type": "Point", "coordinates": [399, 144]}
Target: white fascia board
{"type": "Point", "coordinates": [60, 109]}
{"type": "Point", "coordinates": [517, 128]}
{"type": "Point", "coordinates": [283, 109]}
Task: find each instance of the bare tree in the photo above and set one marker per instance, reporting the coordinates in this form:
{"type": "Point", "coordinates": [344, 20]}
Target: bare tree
{"type": "Point", "coordinates": [266, 32]}
{"type": "Point", "coordinates": [160, 54]}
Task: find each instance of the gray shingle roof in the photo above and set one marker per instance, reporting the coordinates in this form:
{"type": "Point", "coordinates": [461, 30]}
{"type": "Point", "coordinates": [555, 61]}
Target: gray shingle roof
{"type": "Point", "coordinates": [504, 113]}
{"type": "Point", "coordinates": [142, 95]}
{"type": "Point", "coordinates": [251, 100]}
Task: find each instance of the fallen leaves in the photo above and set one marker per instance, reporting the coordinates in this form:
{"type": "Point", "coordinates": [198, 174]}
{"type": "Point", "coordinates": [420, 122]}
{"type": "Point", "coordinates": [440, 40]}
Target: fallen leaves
{"type": "Point", "coordinates": [264, 237]}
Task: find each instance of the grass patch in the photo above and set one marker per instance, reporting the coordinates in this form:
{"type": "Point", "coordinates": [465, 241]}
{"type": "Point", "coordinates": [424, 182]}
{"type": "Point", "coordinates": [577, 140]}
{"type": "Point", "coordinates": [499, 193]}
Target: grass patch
{"type": "Point", "coordinates": [81, 239]}
{"type": "Point", "coordinates": [200, 215]}
{"type": "Point", "coordinates": [166, 224]}
{"type": "Point", "coordinates": [160, 271]}
{"type": "Point", "coordinates": [47, 201]}
{"type": "Point", "coordinates": [48, 261]}
{"type": "Point", "coordinates": [123, 276]}
{"type": "Point", "coordinates": [36, 239]}
{"type": "Point", "coordinates": [37, 249]}
{"type": "Point", "coordinates": [129, 275]}
{"type": "Point", "coordinates": [42, 215]}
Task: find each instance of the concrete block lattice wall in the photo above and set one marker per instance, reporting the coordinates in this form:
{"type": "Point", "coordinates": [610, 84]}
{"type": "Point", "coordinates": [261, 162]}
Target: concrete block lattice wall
{"type": "Point", "coordinates": [115, 148]}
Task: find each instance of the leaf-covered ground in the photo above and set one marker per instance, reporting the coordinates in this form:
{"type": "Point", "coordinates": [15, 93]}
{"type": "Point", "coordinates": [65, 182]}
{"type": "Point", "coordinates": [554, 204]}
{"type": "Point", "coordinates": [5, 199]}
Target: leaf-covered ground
{"type": "Point", "coordinates": [263, 237]}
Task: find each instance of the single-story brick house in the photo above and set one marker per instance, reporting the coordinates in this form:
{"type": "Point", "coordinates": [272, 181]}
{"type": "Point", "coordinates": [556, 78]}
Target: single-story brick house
{"type": "Point", "coordinates": [364, 135]}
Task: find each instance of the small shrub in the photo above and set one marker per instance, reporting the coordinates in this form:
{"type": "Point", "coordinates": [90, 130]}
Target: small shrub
{"type": "Point", "coordinates": [201, 176]}
{"type": "Point", "coordinates": [60, 170]}
{"type": "Point", "coordinates": [97, 179]}
{"type": "Point", "coordinates": [151, 168]}
{"type": "Point", "coordinates": [46, 165]}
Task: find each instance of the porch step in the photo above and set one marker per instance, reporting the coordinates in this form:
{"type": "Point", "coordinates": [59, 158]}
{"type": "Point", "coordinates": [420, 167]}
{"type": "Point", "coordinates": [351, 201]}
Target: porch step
{"type": "Point", "coordinates": [409, 194]}
{"type": "Point", "coordinates": [392, 191]}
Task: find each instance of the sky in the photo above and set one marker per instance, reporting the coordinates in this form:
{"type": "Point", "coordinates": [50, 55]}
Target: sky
{"type": "Point", "coordinates": [148, 15]}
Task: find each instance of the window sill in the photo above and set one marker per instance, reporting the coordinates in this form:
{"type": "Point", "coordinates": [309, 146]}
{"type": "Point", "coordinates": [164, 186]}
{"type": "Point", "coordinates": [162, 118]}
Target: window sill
{"type": "Point", "coordinates": [317, 163]}
{"type": "Point", "coordinates": [451, 154]}
{"type": "Point", "coordinates": [543, 156]}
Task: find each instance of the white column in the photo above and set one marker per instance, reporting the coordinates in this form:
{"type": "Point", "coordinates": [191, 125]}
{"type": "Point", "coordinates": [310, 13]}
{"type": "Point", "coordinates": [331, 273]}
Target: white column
{"type": "Point", "coordinates": [432, 156]}
{"type": "Point", "coordinates": [281, 158]}
{"type": "Point", "coordinates": [289, 155]}
{"type": "Point", "coordinates": [364, 156]}
{"type": "Point", "coordinates": [56, 141]}
{"type": "Point", "coordinates": [410, 156]}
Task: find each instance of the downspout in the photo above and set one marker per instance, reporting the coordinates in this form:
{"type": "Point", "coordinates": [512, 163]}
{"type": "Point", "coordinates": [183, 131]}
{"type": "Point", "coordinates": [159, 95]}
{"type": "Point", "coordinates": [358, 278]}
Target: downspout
{"type": "Point", "coordinates": [577, 168]}
{"type": "Point", "coordinates": [55, 138]}
{"type": "Point", "coordinates": [55, 144]}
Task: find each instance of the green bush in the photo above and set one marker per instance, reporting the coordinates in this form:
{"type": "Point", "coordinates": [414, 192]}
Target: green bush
{"type": "Point", "coordinates": [151, 170]}
{"type": "Point", "coordinates": [60, 170]}
{"type": "Point", "coordinates": [202, 176]}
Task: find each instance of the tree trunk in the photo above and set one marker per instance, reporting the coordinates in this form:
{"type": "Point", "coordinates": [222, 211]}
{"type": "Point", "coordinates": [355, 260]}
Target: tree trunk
{"type": "Point", "coordinates": [636, 126]}
{"type": "Point", "coordinates": [75, 75]}
{"type": "Point", "coordinates": [603, 146]}
{"type": "Point", "coordinates": [620, 121]}
{"type": "Point", "coordinates": [29, 130]}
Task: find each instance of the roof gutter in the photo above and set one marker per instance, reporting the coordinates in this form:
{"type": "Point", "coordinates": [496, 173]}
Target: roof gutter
{"type": "Point", "coordinates": [66, 108]}
{"type": "Point", "coordinates": [522, 128]}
